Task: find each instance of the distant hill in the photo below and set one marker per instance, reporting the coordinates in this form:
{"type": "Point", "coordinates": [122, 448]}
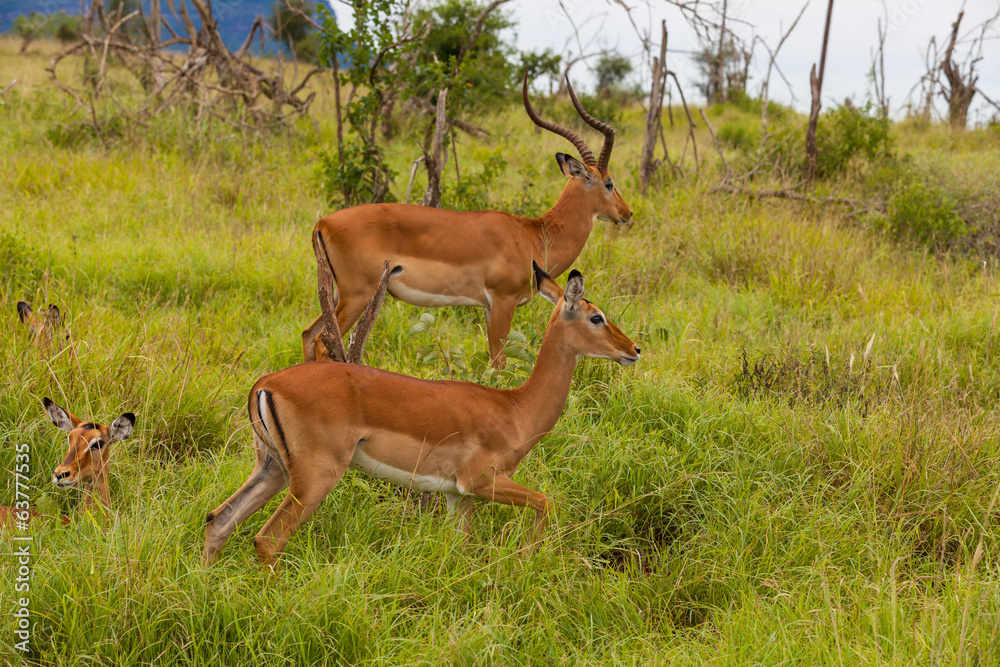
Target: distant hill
{"type": "Point", "coordinates": [234, 16]}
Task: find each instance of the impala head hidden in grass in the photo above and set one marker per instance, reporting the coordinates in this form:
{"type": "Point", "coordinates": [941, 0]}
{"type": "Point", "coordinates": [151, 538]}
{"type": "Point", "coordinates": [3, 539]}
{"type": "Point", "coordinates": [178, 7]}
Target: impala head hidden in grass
{"type": "Point", "coordinates": [86, 462]}
{"type": "Point", "coordinates": [43, 329]}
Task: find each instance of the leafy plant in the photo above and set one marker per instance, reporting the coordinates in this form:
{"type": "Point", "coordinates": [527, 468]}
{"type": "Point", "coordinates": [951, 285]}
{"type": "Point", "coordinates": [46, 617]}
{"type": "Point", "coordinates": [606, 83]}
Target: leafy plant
{"type": "Point", "coordinates": [487, 69]}
{"type": "Point", "coordinates": [611, 70]}
{"type": "Point", "coordinates": [849, 131]}
{"type": "Point", "coordinates": [472, 368]}
{"type": "Point", "coordinates": [33, 25]}
{"type": "Point", "coordinates": [925, 214]}
{"type": "Point", "coordinates": [379, 48]}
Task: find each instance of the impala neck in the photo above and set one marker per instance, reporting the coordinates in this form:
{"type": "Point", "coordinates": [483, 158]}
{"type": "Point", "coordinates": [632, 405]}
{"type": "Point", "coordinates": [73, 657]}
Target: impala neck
{"type": "Point", "coordinates": [99, 488]}
{"type": "Point", "coordinates": [542, 398]}
{"type": "Point", "coordinates": [564, 230]}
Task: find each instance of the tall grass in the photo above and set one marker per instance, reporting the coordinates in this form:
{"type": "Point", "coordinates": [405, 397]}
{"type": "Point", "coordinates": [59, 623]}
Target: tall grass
{"type": "Point", "coordinates": [704, 514]}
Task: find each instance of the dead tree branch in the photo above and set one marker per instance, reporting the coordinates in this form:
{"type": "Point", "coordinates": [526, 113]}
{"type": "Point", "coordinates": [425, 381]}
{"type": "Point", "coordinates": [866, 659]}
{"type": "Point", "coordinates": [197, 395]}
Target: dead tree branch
{"type": "Point", "coordinates": [725, 165]}
{"type": "Point", "coordinates": [654, 124]}
{"type": "Point", "coordinates": [816, 86]}
{"type": "Point", "coordinates": [356, 342]}
{"type": "Point", "coordinates": [857, 205]}
{"type": "Point", "coordinates": [206, 77]}
{"type": "Point", "coordinates": [437, 158]}
{"type": "Point", "coordinates": [878, 67]}
{"type": "Point", "coordinates": [330, 336]}
{"type": "Point", "coordinates": [691, 125]}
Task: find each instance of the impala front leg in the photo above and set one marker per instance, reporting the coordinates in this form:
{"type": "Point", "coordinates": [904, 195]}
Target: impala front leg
{"type": "Point", "coordinates": [462, 507]}
{"type": "Point", "coordinates": [499, 317]}
{"type": "Point", "coordinates": [498, 487]}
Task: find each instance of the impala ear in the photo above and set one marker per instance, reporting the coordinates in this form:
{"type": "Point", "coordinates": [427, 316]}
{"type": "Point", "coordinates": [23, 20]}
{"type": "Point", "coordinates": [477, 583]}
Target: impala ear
{"type": "Point", "coordinates": [574, 290]}
{"type": "Point", "coordinates": [572, 167]}
{"type": "Point", "coordinates": [23, 311]}
{"type": "Point", "coordinates": [547, 287]}
{"type": "Point", "coordinates": [53, 316]}
{"type": "Point", "coordinates": [121, 428]}
{"type": "Point", "coordinates": [63, 419]}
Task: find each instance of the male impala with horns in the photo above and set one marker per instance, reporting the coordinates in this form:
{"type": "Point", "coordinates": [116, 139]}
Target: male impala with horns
{"type": "Point", "coordinates": [472, 258]}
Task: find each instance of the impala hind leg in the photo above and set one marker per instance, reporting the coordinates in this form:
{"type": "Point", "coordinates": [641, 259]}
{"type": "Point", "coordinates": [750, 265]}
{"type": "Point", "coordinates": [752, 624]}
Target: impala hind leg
{"type": "Point", "coordinates": [299, 504]}
{"type": "Point", "coordinates": [348, 312]}
{"type": "Point", "coordinates": [499, 488]}
{"type": "Point", "coordinates": [266, 480]}
{"type": "Point", "coordinates": [310, 340]}
{"type": "Point", "coordinates": [349, 309]}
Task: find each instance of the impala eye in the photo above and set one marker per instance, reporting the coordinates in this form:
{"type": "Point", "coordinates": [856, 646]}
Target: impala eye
{"type": "Point", "coordinates": [609, 184]}
{"type": "Point", "coordinates": [597, 319]}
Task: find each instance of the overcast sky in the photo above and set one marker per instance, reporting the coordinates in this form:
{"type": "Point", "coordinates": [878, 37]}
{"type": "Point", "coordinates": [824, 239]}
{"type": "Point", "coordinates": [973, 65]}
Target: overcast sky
{"type": "Point", "coordinates": [853, 33]}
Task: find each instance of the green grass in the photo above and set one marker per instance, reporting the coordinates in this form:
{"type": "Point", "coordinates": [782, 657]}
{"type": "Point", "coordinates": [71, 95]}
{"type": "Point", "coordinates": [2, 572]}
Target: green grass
{"type": "Point", "coordinates": [697, 521]}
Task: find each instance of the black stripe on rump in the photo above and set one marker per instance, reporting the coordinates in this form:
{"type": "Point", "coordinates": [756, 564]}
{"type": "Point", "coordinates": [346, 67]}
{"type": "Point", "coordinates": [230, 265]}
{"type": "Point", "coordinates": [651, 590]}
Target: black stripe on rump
{"type": "Point", "coordinates": [277, 424]}
{"type": "Point", "coordinates": [326, 255]}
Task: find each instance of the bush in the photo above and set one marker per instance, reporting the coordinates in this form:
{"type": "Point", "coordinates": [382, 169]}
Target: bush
{"type": "Point", "coordinates": [739, 99]}
{"type": "Point", "coordinates": [477, 192]}
{"type": "Point", "coordinates": [925, 214]}
{"type": "Point", "coordinates": [742, 135]}
{"type": "Point", "coordinates": [849, 131]}
{"type": "Point", "coordinates": [362, 177]}
{"type": "Point", "coordinates": [64, 27]}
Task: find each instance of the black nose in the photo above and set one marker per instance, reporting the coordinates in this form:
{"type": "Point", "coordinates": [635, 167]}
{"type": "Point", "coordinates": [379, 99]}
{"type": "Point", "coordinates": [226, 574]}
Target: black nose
{"type": "Point", "coordinates": [638, 351]}
{"type": "Point", "coordinates": [62, 475]}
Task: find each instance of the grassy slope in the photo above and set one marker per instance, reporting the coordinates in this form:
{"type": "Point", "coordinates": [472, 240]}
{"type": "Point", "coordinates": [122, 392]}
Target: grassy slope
{"type": "Point", "coordinates": [835, 522]}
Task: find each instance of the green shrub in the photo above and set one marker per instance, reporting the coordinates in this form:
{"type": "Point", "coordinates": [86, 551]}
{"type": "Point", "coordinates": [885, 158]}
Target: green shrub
{"type": "Point", "coordinates": [64, 27]}
{"type": "Point", "coordinates": [475, 192]}
{"type": "Point", "coordinates": [848, 132]}
{"type": "Point", "coordinates": [925, 214]}
{"type": "Point", "coordinates": [743, 135]}
{"type": "Point", "coordinates": [739, 99]}
{"type": "Point", "coordinates": [361, 177]}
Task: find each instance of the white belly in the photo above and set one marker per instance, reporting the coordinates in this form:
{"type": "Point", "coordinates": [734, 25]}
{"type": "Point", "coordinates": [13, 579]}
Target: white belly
{"type": "Point", "coordinates": [427, 299]}
{"type": "Point", "coordinates": [404, 478]}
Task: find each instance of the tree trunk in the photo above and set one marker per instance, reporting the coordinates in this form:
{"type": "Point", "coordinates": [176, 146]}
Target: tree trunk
{"type": "Point", "coordinates": [436, 160]}
{"type": "Point", "coordinates": [960, 91]}
{"type": "Point", "coordinates": [654, 113]}
{"type": "Point", "coordinates": [816, 85]}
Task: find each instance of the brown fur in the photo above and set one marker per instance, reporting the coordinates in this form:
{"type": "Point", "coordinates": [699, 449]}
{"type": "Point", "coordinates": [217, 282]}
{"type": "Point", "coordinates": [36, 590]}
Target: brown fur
{"type": "Point", "coordinates": [89, 451]}
{"type": "Point", "coordinates": [480, 258]}
{"type": "Point", "coordinates": [44, 330]}
{"type": "Point", "coordinates": [312, 421]}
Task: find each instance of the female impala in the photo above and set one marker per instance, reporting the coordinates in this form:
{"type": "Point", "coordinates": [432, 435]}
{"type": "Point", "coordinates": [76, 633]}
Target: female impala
{"type": "Point", "coordinates": [475, 258]}
{"type": "Point", "coordinates": [313, 421]}
{"type": "Point", "coordinates": [43, 329]}
{"type": "Point", "coordinates": [86, 464]}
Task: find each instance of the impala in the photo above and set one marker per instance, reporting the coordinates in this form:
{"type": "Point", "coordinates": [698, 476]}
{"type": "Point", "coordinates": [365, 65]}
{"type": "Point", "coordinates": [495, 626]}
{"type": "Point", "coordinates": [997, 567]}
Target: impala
{"type": "Point", "coordinates": [86, 463]}
{"type": "Point", "coordinates": [313, 421]}
{"type": "Point", "coordinates": [42, 329]}
{"type": "Point", "coordinates": [473, 258]}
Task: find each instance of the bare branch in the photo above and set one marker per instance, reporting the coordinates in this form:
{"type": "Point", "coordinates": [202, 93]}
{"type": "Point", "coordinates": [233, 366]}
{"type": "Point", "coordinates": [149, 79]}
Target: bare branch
{"type": "Point", "coordinates": [330, 336]}
{"type": "Point", "coordinates": [718, 146]}
{"type": "Point", "coordinates": [356, 344]}
{"type": "Point", "coordinates": [691, 125]}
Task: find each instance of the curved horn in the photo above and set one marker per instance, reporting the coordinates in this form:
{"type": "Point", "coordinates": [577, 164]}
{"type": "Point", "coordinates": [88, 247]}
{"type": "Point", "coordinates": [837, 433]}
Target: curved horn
{"type": "Point", "coordinates": [588, 157]}
{"type": "Point", "coordinates": [603, 128]}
